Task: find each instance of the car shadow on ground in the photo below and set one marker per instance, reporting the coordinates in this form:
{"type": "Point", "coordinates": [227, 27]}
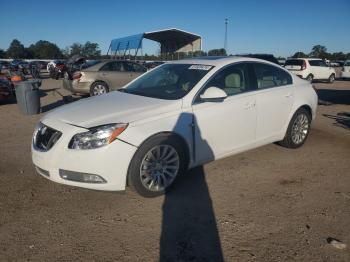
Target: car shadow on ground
{"type": "Point", "coordinates": [65, 100]}
{"type": "Point", "coordinates": [342, 119]}
{"type": "Point", "coordinates": [333, 96]}
{"type": "Point", "coordinates": [62, 99]}
{"type": "Point", "coordinates": [189, 229]}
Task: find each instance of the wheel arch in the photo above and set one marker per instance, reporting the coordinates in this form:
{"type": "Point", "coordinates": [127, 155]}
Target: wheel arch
{"type": "Point", "coordinates": [175, 135]}
{"type": "Point", "coordinates": [99, 81]}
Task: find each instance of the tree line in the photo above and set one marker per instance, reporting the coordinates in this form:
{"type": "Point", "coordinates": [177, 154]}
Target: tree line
{"type": "Point", "coordinates": [47, 50]}
{"type": "Point", "coordinates": [320, 51]}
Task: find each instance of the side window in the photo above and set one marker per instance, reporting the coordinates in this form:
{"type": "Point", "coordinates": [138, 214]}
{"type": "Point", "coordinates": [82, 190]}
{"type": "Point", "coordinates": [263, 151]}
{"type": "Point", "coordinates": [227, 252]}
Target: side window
{"type": "Point", "coordinates": [232, 79]}
{"type": "Point", "coordinates": [115, 66]}
{"type": "Point", "coordinates": [133, 67]}
{"type": "Point", "coordinates": [317, 63]}
{"type": "Point", "coordinates": [106, 67]}
{"type": "Point", "coordinates": [270, 76]}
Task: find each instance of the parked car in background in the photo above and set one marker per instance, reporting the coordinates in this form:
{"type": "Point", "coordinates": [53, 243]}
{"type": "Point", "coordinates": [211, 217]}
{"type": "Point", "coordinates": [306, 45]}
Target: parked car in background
{"type": "Point", "coordinates": [57, 69]}
{"type": "Point", "coordinates": [281, 61]}
{"type": "Point", "coordinates": [345, 72]}
{"type": "Point", "coordinates": [177, 116]}
{"type": "Point", "coordinates": [311, 69]}
{"type": "Point", "coordinates": [4, 65]}
{"type": "Point", "coordinates": [104, 77]}
{"type": "Point", "coordinates": [53, 64]}
{"type": "Point", "coordinates": [73, 64]}
{"type": "Point", "coordinates": [153, 64]}
{"type": "Point", "coordinates": [6, 88]}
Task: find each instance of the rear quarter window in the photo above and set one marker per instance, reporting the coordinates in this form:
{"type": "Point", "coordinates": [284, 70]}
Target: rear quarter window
{"type": "Point", "coordinates": [268, 76]}
{"type": "Point", "coordinates": [296, 62]}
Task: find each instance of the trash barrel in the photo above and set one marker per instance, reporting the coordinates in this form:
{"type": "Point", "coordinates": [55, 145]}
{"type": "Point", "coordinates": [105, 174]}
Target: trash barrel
{"type": "Point", "coordinates": [28, 97]}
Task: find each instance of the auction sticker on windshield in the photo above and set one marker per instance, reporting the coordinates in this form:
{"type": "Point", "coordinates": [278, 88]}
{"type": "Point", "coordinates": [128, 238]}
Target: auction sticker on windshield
{"type": "Point", "coordinates": [200, 67]}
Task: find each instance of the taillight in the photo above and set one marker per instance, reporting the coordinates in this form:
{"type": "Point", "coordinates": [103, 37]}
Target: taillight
{"type": "Point", "coordinates": [61, 67]}
{"type": "Point", "coordinates": [76, 75]}
{"type": "Point", "coordinates": [303, 67]}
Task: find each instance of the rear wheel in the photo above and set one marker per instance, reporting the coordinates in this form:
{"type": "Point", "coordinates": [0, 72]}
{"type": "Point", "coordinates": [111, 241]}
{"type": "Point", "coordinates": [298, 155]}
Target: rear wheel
{"type": "Point", "coordinates": [156, 165]}
{"type": "Point", "coordinates": [310, 78]}
{"type": "Point", "coordinates": [298, 129]}
{"type": "Point", "coordinates": [331, 78]}
{"type": "Point", "coordinates": [98, 88]}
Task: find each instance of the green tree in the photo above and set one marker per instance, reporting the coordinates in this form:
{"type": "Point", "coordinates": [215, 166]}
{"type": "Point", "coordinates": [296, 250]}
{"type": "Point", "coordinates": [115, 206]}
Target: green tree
{"type": "Point", "coordinates": [65, 52]}
{"type": "Point", "coordinates": [76, 49]}
{"type": "Point", "coordinates": [2, 54]}
{"type": "Point", "coordinates": [319, 51]}
{"type": "Point", "coordinates": [91, 50]}
{"type": "Point", "coordinates": [45, 50]}
{"type": "Point", "coordinates": [300, 55]}
{"type": "Point", "coordinates": [16, 50]}
{"type": "Point", "coordinates": [217, 52]}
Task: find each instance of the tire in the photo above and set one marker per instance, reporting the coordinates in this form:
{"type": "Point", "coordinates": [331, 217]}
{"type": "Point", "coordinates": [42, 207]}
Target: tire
{"type": "Point", "coordinates": [297, 132]}
{"type": "Point", "coordinates": [331, 78]}
{"type": "Point", "coordinates": [149, 178]}
{"type": "Point", "coordinates": [98, 88]}
{"type": "Point", "coordinates": [310, 78]}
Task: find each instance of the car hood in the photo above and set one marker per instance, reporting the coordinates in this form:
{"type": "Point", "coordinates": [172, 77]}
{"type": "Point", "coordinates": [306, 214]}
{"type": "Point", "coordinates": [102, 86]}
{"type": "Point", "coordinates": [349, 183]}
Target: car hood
{"type": "Point", "coordinates": [114, 107]}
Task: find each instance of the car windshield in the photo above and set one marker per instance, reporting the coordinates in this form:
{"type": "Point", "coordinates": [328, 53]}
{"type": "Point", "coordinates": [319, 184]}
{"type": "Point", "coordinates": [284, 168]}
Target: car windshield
{"type": "Point", "coordinates": [347, 63]}
{"type": "Point", "coordinates": [168, 81]}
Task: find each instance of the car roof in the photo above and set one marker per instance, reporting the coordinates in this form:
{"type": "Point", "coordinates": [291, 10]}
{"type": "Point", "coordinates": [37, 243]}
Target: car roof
{"type": "Point", "coordinates": [98, 65]}
{"type": "Point", "coordinates": [304, 58]}
{"type": "Point", "coordinates": [218, 60]}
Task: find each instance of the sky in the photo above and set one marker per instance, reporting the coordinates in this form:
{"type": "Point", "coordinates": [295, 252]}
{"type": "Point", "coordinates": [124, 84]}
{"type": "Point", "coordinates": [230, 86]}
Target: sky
{"type": "Point", "coordinates": [280, 27]}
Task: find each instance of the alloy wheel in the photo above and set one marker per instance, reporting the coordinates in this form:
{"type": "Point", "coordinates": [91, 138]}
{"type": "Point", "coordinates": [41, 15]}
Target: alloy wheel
{"type": "Point", "coordinates": [300, 129]}
{"type": "Point", "coordinates": [159, 167]}
{"type": "Point", "coordinates": [99, 90]}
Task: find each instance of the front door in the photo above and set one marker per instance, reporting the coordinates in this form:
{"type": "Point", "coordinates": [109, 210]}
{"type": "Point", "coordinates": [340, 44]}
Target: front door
{"type": "Point", "coordinates": [227, 126]}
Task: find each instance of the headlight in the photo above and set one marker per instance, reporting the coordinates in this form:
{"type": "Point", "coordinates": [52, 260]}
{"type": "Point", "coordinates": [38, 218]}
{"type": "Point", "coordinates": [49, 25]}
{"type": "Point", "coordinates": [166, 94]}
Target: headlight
{"type": "Point", "coordinates": [97, 136]}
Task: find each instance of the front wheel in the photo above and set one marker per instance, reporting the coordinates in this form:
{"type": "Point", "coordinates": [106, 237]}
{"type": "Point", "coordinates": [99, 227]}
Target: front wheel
{"type": "Point", "coordinates": [156, 165]}
{"type": "Point", "coordinates": [331, 78]}
{"type": "Point", "coordinates": [310, 78]}
{"type": "Point", "coordinates": [298, 129]}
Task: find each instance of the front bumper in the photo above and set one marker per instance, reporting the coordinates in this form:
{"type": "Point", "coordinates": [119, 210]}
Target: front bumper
{"type": "Point", "coordinates": [110, 162]}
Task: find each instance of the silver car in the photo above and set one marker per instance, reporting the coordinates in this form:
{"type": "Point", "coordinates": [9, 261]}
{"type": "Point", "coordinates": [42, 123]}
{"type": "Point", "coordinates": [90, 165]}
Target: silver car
{"type": "Point", "coordinates": [104, 77]}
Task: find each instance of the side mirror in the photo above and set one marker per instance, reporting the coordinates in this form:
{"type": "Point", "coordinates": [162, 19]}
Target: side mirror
{"type": "Point", "coordinates": [213, 94]}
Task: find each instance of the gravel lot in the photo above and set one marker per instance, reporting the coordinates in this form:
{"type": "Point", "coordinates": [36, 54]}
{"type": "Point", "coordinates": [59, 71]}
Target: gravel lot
{"type": "Point", "coordinates": [268, 204]}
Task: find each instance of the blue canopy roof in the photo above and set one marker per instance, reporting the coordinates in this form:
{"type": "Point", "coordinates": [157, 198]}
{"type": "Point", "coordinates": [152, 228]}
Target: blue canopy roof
{"type": "Point", "coordinates": [126, 43]}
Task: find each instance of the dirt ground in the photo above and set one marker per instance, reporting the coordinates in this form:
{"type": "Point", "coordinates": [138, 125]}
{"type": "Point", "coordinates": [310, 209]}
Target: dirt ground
{"type": "Point", "coordinates": [268, 204]}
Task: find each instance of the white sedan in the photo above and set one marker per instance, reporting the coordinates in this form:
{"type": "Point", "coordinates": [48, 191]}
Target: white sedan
{"type": "Point", "coordinates": [177, 116]}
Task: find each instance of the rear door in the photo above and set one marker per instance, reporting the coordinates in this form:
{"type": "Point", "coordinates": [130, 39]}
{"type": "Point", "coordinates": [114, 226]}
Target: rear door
{"type": "Point", "coordinates": [274, 100]}
{"type": "Point", "coordinates": [114, 74]}
{"type": "Point", "coordinates": [319, 69]}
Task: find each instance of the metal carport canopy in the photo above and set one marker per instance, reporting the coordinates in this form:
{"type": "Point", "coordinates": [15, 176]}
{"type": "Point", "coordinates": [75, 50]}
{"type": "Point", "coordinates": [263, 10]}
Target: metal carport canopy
{"type": "Point", "coordinates": [172, 39]}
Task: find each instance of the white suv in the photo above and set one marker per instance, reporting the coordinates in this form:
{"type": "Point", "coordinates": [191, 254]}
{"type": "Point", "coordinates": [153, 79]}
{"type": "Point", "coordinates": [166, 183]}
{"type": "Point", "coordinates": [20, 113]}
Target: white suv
{"type": "Point", "coordinates": [311, 69]}
{"type": "Point", "coordinates": [345, 72]}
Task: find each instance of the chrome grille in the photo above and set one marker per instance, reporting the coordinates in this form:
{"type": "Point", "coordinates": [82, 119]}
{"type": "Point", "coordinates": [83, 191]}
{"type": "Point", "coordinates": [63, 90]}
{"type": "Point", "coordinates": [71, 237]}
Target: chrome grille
{"type": "Point", "coordinates": [45, 137]}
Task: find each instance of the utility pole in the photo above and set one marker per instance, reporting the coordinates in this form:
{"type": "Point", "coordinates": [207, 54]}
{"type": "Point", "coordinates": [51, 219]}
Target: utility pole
{"type": "Point", "coordinates": [225, 44]}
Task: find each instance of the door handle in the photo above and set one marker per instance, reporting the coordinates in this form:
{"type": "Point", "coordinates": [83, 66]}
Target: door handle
{"type": "Point", "coordinates": [289, 95]}
{"type": "Point", "coordinates": [104, 74]}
